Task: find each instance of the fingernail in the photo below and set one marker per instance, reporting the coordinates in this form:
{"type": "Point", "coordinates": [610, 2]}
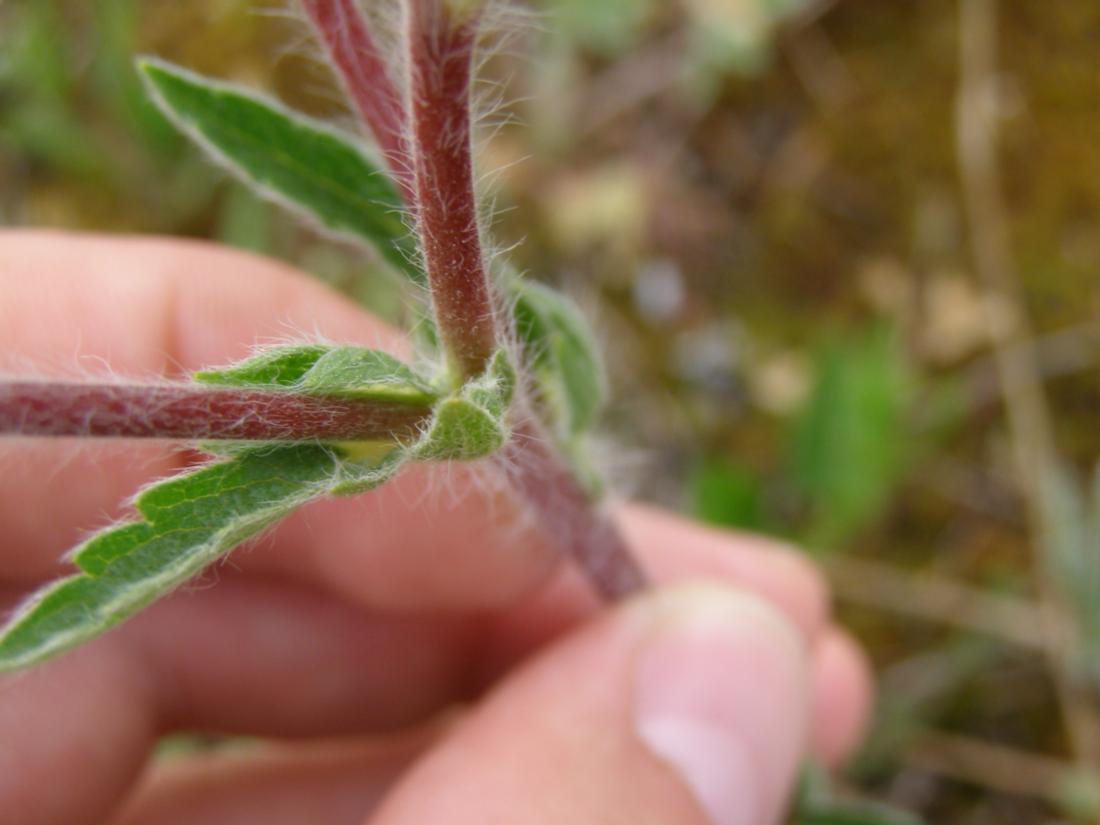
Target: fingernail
{"type": "Point", "coordinates": [721, 700]}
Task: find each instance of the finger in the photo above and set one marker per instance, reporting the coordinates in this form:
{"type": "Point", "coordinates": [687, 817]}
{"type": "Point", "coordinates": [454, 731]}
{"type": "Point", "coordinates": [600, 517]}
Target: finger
{"type": "Point", "coordinates": [251, 658]}
{"type": "Point", "coordinates": [686, 707]}
{"type": "Point", "coordinates": [340, 783]}
{"type": "Point", "coordinates": [243, 658]}
{"type": "Point", "coordinates": [334, 783]}
{"type": "Point", "coordinates": [841, 697]}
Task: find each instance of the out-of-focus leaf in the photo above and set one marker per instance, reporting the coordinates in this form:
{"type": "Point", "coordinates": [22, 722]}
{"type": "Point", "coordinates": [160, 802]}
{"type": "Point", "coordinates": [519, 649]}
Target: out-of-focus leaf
{"type": "Point", "coordinates": [735, 35]}
{"type": "Point", "coordinates": [847, 814]}
{"type": "Point", "coordinates": [299, 162]}
{"type": "Point", "coordinates": [562, 350]}
{"type": "Point", "coordinates": [727, 494]}
{"type": "Point", "coordinates": [608, 27]}
{"type": "Point", "coordinates": [850, 441]}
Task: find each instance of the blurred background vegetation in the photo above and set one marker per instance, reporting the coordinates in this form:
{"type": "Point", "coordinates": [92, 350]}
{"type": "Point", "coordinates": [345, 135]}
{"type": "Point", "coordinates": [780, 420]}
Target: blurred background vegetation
{"type": "Point", "coordinates": [844, 258]}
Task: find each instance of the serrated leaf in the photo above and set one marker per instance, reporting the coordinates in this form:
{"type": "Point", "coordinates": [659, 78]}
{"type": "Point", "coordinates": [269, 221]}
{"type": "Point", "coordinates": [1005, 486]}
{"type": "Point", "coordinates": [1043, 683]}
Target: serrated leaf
{"type": "Point", "coordinates": [189, 522]}
{"type": "Point", "coordinates": [299, 162]}
{"type": "Point", "coordinates": [344, 372]}
{"type": "Point", "coordinates": [568, 369]}
{"type": "Point", "coordinates": [471, 425]}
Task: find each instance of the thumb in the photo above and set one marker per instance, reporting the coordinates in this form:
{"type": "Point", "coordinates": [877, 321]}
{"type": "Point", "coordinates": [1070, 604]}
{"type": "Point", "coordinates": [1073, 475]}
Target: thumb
{"type": "Point", "coordinates": [686, 707]}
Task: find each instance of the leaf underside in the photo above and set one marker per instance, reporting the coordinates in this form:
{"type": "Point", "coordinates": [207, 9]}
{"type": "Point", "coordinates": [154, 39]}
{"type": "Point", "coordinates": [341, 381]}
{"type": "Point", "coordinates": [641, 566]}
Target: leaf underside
{"type": "Point", "coordinates": [298, 161]}
{"type": "Point", "coordinates": [187, 523]}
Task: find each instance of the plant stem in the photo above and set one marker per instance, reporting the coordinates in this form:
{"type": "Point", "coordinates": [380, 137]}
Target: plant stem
{"type": "Point", "coordinates": [181, 411]}
{"type": "Point", "coordinates": [441, 50]}
{"type": "Point", "coordinates": [442, 37]}
{"type": "Point", "coordinates": [361, 64]}
{"type": "Point", "coordinates": [565, 512]}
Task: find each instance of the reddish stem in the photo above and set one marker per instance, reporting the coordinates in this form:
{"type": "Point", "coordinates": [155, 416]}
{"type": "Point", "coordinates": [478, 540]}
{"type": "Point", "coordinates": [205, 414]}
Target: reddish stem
{"type": "Point", "coordinates": [363, 68]}
{"type": "Point", "coordinates": [566, 513]}
{"type": "Point", "coordinates": [181, 411]}
{"type": "Point", "coordinates": [441, 51]}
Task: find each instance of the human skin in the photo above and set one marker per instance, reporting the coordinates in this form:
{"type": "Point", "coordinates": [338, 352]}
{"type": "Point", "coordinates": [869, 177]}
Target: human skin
{"type": "Point", "coordinates": [351, 633]}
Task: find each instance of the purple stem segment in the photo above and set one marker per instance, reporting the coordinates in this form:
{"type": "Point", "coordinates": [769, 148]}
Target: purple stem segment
{"type": "Point", "coordinates": [355, 53]}
{"type": "Point", "coordinates": [565, 512]}
{"type": "Point", "coordinates": [441, 52]}
{"type": "Point", "coordinates": [194, 413]}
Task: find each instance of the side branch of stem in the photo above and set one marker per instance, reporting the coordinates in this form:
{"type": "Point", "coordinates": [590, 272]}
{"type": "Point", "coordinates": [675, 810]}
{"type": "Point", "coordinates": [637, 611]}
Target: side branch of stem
{"type": "Point", "coordinates": [192, 413]}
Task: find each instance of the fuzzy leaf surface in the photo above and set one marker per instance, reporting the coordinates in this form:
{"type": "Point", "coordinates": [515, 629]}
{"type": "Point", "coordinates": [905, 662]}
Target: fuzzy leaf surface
{"type": "Point", "coordinates": [279, 366]}
{"type": "Point", "coordinates": [187, 523]}
{"type": "Point", "coordinates": [344, 372]}
{"type": "Point", "coordinates": [471, 424]}
{"type": "Point", "coordinates": [568, 368]}
{"type": "Point", "coordinates": [366, 374]}
{"type": "Point", "coordinates": [293, 159]}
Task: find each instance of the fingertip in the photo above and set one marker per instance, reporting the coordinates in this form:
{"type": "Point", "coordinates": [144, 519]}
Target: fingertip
{"type": "Point", "coordinates": [688, 705]}
{"type": "Point", "coordinates": [676, 549]}
{"type": "Point", "coordinates": [842, 697]}
{"type": "Point", "coordinates": [723, 700]}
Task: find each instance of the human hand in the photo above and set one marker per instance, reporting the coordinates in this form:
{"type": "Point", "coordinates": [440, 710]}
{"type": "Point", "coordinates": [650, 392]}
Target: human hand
{"type": "Point", "coordinates": [349, 632]}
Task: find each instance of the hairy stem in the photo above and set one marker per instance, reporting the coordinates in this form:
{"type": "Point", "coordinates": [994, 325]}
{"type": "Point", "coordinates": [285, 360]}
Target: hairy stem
{"type": "Point", "coordinates": [565, 512]}
{"type": "Point", "coordinates": [442, 37]}
{"type": "Point", "coordinates": [181, 411]}
{"type": "Point", "coordinates": [441, 46]}
{"type": "Point", "coordinates": [355, 53]}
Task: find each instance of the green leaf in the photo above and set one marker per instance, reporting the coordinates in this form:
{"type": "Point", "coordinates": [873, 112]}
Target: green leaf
{"type": "Point", "coordinates": [366, 374]}
{"type": "Point", "coordinates": [188, 523]}
{"type": "Point", "coordinates": [344, 372]}
{"type": "Point", "coordinates": [296, 160]}
{"type": "Point", "coordinates": [471, 425]}
{"type": "Point", "coordinates": [568, 370]}
{"type": "Point", "coordinates": [280, 366]}
{"type": "Point", "coordinates": [726, 493]}
{"type": "Point", "coordinates": [851, 442]}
